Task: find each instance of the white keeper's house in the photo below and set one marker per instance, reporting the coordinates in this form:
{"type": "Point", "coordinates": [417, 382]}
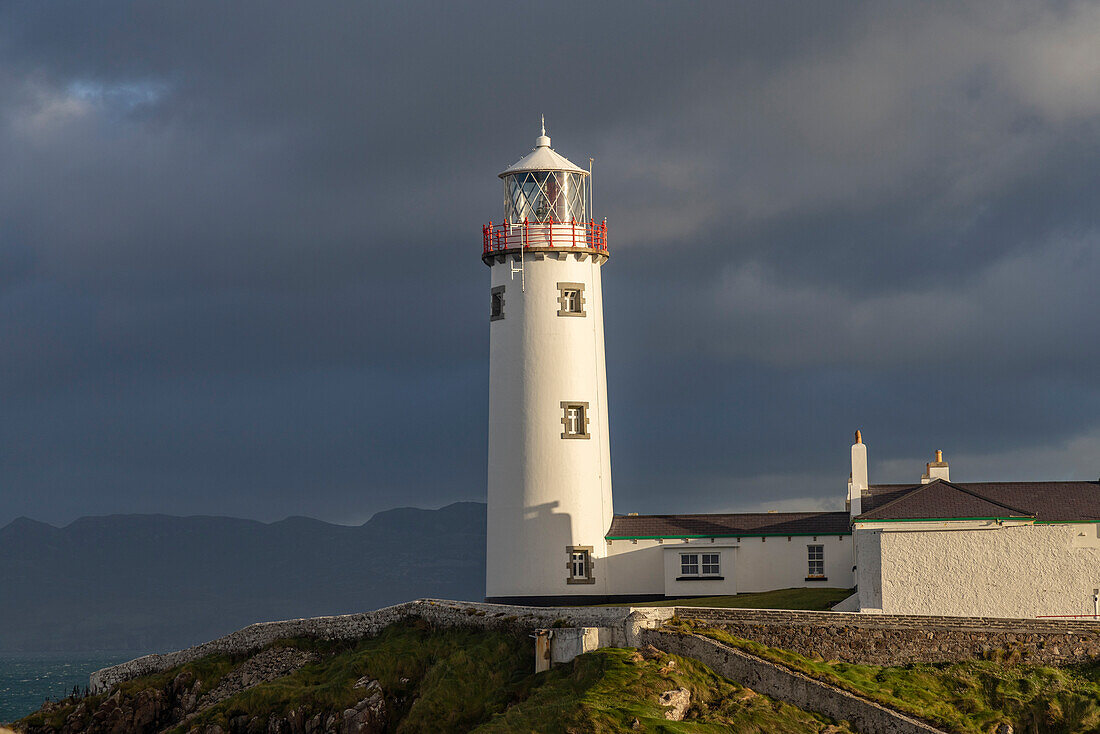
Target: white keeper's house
{"type": "Point", "coordinates": [1009, 549]}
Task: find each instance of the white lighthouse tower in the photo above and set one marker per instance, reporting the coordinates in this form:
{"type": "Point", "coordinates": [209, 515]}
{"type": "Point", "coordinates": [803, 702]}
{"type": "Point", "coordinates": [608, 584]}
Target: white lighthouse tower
{"type": "Point", "coordinates": [549, 458]}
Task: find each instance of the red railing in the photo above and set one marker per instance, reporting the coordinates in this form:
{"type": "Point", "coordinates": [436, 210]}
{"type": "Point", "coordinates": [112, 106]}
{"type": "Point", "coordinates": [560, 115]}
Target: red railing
{"type": "Point", "coordinates": [507, 236]}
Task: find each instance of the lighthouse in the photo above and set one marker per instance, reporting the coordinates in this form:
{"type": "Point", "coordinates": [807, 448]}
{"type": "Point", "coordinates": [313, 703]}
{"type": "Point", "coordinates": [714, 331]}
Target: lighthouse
{"type": "Point", "coordinates": [549, 477]}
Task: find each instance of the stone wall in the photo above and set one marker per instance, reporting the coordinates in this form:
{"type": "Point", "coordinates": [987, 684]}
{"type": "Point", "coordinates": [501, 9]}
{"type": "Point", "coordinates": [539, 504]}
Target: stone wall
{"type": "Point", "coordinates": [622, 623]}
{"type": "Point", "coordinates": [787, 685]}
{"type": "Point", "coordinates": [852, 637]}
{"type": "Point", "coordinates": [893, 639]}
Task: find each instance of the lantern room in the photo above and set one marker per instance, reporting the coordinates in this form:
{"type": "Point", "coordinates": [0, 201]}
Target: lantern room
{"type": "Point", "coordinates": [546, 188]}
{"type": "Point", "coordinates": [547, 204]}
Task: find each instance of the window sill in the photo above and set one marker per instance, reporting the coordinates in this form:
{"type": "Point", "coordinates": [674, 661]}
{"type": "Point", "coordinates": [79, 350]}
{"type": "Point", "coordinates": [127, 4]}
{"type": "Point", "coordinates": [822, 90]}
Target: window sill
{"type": "Point", "coordinates": [700, 578]}
{"type": "Point", "coordinates": [817, 578]}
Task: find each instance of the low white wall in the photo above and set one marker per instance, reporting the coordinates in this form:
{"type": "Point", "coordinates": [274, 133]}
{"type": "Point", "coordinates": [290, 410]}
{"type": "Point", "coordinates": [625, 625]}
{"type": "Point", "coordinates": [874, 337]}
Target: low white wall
{"type": "Point", "coordinates": [634, 568]}
{"type": "Point", "coordinates": [751, 565]}
{"type": "Point", "coordinates": [997, 571]}
{"type": "Point", "coordinates": [765, 564]}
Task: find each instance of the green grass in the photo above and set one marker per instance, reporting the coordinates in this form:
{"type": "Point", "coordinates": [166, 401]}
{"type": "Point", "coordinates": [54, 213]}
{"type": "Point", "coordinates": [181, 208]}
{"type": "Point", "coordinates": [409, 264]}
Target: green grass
{"type": "Point", "coordinates": [967, 697]}
{"type": "Point", "coordinates": [442, 681]}
{"type": "Point", "coordinates": [465, 680]}
{"type": "Point", "coordinates": [606, 691]}
{"type": "Point", "coordinates": [453, 681]}
{"type": "Point", "coordinates": [808, 599]}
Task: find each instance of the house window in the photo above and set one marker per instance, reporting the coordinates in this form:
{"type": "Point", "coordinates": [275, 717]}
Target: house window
{"type": "Point", "coordinates": [703, 566]}
{"type": "Point", "coordinates": [570, 299]}
{"type": "Point", "coordinates": [580, 565]}
{"type": "Point", "coordinates": [816, 557]}
{"type": "Point", "coordinates": [496, 304]}
{"type": "Point", "coordinates": [689, 564]}
{"type": "Point", "coordinates": [574, 420]}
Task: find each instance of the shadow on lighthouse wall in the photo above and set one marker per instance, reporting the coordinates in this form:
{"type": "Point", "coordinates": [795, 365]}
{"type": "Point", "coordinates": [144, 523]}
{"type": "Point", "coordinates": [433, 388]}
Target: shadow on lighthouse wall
{"type": "Point", "coordinates": [548, 533]}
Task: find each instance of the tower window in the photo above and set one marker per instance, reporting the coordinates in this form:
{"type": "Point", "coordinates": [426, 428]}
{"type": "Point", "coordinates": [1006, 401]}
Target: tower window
{"type": "Point", "coordinates": [571, 299]}
{"type": "Point", "coordinates": [496, 304]}
{"type": "Point", "coordinates": [580, 565]}
{"type": "Point", "coordinates": [815, 554]}
{"type": "Point", "coordinates": [574, 420]}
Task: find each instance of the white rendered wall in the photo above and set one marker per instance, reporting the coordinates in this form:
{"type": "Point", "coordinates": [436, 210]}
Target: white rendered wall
{"type": "Point", "coordinates": [546, 493]}
{"type": "Point", "coordinates": [751, 565]}
{"type": "Point", "coordinates": [727, 566]}
{"type": "Point", "coordinates": [990, 571]}
{"type": "Point", "coordinates": [779, 563]}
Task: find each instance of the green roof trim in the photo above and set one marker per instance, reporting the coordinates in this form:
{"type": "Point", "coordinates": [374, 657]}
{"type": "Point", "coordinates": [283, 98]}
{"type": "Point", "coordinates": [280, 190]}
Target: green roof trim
{"type": "Point", "coordinates": [1066, 522]}
{"type": "Point", "coordinates": [720, 535]}
{"type": "Point", "coordinates": [941, 519]}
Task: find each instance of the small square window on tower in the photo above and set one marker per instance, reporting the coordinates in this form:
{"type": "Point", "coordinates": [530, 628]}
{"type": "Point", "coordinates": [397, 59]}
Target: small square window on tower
{"type": "Point", "coordinates": [571, 299]}
{"type": "Point", "coordinates": [574, 420]}
{"type": "Point", "coordinates": [496, 304]}
{"type": "Point", "coordinates": [580, 565]}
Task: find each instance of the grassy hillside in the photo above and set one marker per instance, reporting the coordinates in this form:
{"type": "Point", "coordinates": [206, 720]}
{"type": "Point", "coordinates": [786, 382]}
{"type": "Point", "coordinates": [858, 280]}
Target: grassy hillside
{"type": "Point", "coordinates": [438, 681]}
{"type": "Point", "coordinates": [971, 697]}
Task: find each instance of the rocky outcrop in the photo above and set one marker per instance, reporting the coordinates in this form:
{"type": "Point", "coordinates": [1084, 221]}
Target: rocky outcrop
{"type": "Point", "coordinates": [185, 698]}
{"type": "Point", "coordinates": [368, 716]}
{"type": "Point", "coordinates": [677, 701]}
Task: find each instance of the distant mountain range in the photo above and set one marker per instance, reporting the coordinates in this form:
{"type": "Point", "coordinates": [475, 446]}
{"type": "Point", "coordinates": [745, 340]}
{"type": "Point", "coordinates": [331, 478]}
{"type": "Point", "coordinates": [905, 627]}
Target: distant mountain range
{"type": "Point", "coordinates": [155, 582]}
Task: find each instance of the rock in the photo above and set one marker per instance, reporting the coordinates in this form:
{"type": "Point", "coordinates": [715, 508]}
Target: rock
{"type": "Point", "coordinates": [677, 700]}
{"type": "Point", "coordinates": [147, 706]}
{"type": "Point", "coordinates": [368, 716]}
{"type": "Point", "coordinates": [636, 725]}
{"type": "Point", "coordinates": [1004, 728]}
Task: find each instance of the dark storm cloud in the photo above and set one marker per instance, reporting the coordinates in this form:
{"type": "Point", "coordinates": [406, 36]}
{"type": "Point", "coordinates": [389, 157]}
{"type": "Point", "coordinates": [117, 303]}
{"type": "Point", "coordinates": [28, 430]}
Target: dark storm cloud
{"type": "Point", "coordinates": [239, 245]}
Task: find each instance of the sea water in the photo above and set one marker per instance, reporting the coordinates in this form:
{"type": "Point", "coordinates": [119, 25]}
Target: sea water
{"type": "Point", "coordinates": [28, 679]}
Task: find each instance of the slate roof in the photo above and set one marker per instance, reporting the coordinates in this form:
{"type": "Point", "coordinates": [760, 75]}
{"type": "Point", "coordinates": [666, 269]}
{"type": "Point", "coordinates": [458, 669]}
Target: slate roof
{"type": "Point", "coordinates": [725, 526]}
{"type": "Point", "coordinates": [1045, 501]}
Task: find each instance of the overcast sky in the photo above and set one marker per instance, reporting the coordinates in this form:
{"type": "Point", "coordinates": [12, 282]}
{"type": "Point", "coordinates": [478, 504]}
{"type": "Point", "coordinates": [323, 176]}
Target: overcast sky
{"type": "Point", "coordinates": [240, 246]}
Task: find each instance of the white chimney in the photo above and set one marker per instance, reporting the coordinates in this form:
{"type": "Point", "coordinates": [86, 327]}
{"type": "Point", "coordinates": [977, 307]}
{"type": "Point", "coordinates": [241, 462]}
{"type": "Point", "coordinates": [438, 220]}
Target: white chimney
{"type": "Point", "coordinates": [857, 481]}
{"type": "Point", "coordinates": [937, 469]}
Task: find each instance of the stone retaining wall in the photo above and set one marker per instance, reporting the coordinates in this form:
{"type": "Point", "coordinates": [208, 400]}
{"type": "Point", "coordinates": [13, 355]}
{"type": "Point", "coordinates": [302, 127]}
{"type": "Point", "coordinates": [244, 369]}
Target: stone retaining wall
{"type": "Point", "coordinates": [788, 685]}
{"type": "Point", "coordinates": [891, 639]}
{"type": "Point", "coordinates": [623, 624]}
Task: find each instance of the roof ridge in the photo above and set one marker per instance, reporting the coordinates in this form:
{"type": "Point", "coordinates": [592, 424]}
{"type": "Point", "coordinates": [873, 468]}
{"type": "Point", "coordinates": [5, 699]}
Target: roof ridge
{"type": "Point", "coordinates": [923, 487]}
{"type": "Point", "coordinates": [1029, 513]}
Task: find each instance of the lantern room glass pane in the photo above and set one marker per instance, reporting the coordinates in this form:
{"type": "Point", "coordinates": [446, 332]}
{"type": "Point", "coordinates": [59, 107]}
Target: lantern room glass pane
{"type": "Point", "coordinates": [556, 197]}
